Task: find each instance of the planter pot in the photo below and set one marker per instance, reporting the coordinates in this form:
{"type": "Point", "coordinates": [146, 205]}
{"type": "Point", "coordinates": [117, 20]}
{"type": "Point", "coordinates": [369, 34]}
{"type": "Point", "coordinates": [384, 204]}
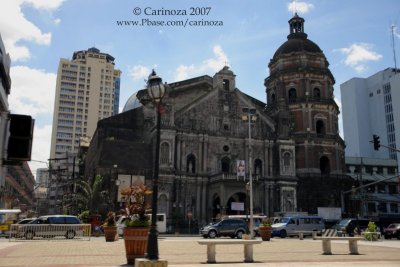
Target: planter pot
{"type": "Point", "coordinates": [265, 232]}
{"type": "Point", "coordinates": [110, 233]}
{"type": "Point", "coordinates": [135, 239]}
{"type": "Point", "coordinates": [372, 236]}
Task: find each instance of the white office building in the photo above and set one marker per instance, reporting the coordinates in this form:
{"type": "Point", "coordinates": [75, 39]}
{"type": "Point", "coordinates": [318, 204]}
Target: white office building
{"type": "Point", "coordinates": [87, 91]}
{"type": "Point", "coordinates": [371, 106]}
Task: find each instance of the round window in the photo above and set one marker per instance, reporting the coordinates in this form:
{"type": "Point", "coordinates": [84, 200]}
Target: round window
{"type": "Point", "coordinates": [226, 148]}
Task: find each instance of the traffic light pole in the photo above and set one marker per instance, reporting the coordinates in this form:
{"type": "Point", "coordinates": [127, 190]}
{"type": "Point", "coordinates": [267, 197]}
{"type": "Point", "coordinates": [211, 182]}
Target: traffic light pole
{"type": "Point", "coordinates": [377, 143]}
{"type": "Point", "coordinates": [388, 147]}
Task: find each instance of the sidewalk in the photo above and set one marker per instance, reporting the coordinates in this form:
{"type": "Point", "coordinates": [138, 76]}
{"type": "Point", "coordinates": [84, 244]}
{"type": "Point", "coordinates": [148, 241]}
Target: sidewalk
{"type": "Point", "coordinates": [181, 252]}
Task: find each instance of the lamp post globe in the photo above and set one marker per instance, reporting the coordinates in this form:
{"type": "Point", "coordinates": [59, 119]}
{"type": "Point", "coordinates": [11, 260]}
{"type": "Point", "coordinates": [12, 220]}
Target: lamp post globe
{"type": "Point", "coordinates": [156, 91]}
{"type": "Point", "coordinates": [155, 87]}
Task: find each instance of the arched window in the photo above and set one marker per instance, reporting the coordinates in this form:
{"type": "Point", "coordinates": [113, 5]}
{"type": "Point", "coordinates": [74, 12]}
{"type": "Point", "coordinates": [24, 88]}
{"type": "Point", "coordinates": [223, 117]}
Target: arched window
{"type": "Point", "coordinates": [225, 83]}
{"type": "Point", "coordinates": [225, 164]}
{"type": "Point", "coordinates": [320, 127]}
{"type": "Point", "coordinates": [258, 167]}
{"type": "Point", "coordinates": [324, 165]}
{"type": "Point", "coordinates": [164, 154]}
{"type": "Point", "coordinates": [317, 93]}
{"type": "Point", "coordinates": [292, 95]}
{"type": "Point", "coordinates": [273, 98]}
{"type": "Point", "coordinates": [191, 163]}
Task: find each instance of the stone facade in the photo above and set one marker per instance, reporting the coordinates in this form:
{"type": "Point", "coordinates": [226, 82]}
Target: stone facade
{"type": "Point", "coordinates": [300, 100]}
{"type": "Point", "coordinates": [294, 139]}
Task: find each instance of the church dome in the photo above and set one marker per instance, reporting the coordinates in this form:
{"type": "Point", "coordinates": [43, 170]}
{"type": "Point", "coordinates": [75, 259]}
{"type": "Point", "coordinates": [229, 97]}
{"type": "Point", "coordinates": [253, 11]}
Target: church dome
{"type": "Point", "coordinates": [132, 103]}
{"type": "Point", "coordinates": [297, 40]}
{"type": "Point", "coordinates": [297, 44]}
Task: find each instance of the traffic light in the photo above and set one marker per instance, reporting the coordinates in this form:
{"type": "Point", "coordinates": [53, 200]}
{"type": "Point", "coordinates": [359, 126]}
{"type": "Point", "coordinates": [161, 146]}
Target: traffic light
{"type": "Point", "coordinates": [376, 142]}
{"type": "Point", "coordinates": [20, 140]}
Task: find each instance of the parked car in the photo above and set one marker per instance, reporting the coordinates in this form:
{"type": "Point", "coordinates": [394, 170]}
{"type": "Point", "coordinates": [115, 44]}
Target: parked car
{"type": "Point", "coordinates": [52, 226]}
{"type": "Point", "coordinates": [349, 225]}
{"type": "Point", "coordinates": [393, 230]}
{"type": "Point", "coordinates": [225, 227]}
{"type": "Point", "coordinates": [26, 220]}
{"type": "Point", "coordinates": [15, 232]}
{"type": "Point", "coordinates": [291, 225]}
{"type": "Point", "coordinates": [257, 219]}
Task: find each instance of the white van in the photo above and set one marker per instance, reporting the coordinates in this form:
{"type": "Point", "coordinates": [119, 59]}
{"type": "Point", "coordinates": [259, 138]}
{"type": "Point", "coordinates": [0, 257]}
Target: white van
{"type": "Point", "coordinates": [161, 223]}
{"type": "Point", "coordinates": [291, 225]}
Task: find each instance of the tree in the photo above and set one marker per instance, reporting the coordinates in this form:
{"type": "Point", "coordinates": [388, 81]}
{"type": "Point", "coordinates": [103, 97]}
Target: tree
{"type": "Point", "coordinates": [89, 196]}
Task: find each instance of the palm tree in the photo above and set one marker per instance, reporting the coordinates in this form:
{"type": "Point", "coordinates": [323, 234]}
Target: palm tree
{"type": "Point", "coordinates": [88, 196]}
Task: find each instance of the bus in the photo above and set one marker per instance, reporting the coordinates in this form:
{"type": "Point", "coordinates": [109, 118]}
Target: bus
{"type": "Point", "coordinates": [8, 217]}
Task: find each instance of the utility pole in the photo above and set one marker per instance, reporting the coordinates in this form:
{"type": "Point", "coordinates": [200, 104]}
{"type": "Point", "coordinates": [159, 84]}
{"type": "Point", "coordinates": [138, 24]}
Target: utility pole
{"type": "Point", "coordinates": [393, 47]}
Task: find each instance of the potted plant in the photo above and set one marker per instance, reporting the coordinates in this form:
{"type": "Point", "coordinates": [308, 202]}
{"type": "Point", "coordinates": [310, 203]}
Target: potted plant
{"type": "Point", "coordinates": [371, 233]}
{"type": "Point", "coordinates": [265, 229]}
{"type": "Point", "coordinates": [110, 228]}
{"type": "Point", "coordinates": [137, 223]}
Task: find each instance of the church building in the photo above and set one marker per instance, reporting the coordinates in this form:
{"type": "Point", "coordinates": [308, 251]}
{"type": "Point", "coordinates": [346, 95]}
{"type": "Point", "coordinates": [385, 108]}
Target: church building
{"type": "Point", "coordinates": [295, 151]}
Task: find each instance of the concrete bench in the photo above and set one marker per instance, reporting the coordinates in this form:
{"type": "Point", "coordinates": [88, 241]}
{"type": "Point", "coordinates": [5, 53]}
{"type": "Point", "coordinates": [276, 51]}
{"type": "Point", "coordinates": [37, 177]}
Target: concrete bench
{"type": "Point", "coordinates": [303, 233]}
{"type": "Point", "coordinates": [211, 244]}
{"type": "Point", "coordinates": [330, 235]}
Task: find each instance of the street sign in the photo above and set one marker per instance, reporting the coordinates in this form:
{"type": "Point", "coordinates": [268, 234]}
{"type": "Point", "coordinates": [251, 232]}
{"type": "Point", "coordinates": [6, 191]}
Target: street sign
{"type": "Point", "coordinates": [237, 206]}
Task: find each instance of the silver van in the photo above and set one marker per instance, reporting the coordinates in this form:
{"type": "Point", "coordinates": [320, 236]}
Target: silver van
{"type": "Point", "coordinates": [292, 225]}
{"type": "Point", "coordinates": [51, 226]}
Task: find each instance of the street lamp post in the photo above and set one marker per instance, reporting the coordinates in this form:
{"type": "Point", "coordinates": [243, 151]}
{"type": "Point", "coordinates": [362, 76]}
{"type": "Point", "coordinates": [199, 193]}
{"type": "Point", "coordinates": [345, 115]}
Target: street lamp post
{"type": "Point", "coordinates": [156, 91]}
{"type": "Point", "coordinates": [249, 115]}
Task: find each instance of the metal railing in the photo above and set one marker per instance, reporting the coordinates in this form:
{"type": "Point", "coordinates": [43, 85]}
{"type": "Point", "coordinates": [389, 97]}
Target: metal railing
{"type": "Point", "coordinates": [49, 232]}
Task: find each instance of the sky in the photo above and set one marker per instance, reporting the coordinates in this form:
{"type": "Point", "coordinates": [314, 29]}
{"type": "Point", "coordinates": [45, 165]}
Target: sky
{"type": "Point", "coordinates": [183, 39]}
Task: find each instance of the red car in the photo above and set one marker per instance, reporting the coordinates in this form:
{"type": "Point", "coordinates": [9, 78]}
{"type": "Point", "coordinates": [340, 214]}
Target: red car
{"type": "Point", "coordinates": [393, 230]}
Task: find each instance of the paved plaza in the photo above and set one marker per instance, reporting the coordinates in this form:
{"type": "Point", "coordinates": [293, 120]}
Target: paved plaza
{"type": "Point", "coordinates": [184, 251]}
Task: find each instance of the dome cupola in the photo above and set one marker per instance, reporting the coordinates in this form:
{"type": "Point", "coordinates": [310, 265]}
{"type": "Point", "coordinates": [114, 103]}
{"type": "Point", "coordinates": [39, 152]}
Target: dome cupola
{"type": "Point", "coordinates": [297, 40]}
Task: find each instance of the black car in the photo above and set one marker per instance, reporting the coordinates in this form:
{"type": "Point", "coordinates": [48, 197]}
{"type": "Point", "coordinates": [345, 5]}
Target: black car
{"type": "Point", "coordinates": [392, 231]}
{"type": "Point", "coordinates": [350, 225]}
{"type": "Point", "coordinates": [225, 227]}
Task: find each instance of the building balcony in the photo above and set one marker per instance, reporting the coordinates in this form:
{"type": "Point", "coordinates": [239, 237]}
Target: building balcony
{"type": "Point", "coordinates": [232, 177]}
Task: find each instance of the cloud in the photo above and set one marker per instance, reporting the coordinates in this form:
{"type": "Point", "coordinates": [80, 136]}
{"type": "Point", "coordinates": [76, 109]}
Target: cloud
{"type": "Point", "coordinates": [338, 101]}
{"type": "Point", "coordinates": [213, 64]}
{"type": "Point", "coordinates": [57, 21]}
{"type": "Point", "coordinates": [358, 54]}
{"type": "Point", "coordinates": [300, 7]}
{"type": "Point", "coordinates": [40, 147]}
{"type": "Point", "coordinates": [48, 5]}
{"type": "Point", "coordinates": [138, 72]}
{"type": "Point", "coordinates": [15, 27]}
{"type": "Point", "coordinates": [32, 91]}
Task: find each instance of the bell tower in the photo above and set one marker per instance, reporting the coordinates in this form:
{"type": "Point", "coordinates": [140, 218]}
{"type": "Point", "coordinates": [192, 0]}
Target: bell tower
{"type": "Point", "coordinates": [300, 98]}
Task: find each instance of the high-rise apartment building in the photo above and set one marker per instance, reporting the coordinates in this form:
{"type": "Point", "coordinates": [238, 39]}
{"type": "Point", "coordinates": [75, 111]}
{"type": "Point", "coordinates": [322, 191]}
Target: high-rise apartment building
{"type": "Point", "coordinates": [87, 90]}
{"type": "Point", "coordinates": [372, 106]}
